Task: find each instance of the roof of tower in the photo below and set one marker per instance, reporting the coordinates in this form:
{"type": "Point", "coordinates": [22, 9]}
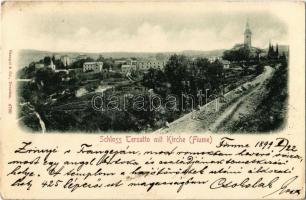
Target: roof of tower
{"type": "Point", "coordinates": [247, 28]}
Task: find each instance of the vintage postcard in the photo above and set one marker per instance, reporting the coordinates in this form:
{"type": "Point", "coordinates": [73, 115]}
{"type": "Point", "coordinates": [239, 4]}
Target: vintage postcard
{"type": "Point", "coordinates": [152, 100]}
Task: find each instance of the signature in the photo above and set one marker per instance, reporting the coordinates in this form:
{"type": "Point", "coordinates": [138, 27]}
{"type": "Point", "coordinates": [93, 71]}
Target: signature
{"type": "Point", "coordinates": [285, 189]}
{"type": "Point", "coordinates": [246, 183]}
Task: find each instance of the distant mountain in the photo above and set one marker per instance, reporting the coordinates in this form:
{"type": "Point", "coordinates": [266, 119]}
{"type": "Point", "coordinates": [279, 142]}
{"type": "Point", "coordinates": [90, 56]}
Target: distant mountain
{"type": "Point", "coordinates": [27, 56]}
{"type": "Point", "coordinates": [283, 48]}
{"type": "Point", "coordinates": [215, 53]}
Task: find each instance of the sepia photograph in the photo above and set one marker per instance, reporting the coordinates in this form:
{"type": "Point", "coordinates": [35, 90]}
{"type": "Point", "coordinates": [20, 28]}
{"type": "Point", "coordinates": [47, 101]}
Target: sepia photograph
{"type": "Point", "coordinates": [153, 71]}
{"type": "Point", "coordinates": [152, 100]}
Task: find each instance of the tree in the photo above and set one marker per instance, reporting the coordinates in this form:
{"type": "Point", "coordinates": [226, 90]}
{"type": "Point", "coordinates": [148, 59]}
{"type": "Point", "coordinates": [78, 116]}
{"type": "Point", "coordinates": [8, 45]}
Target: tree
{"type": "Point", "coordinates": [216, 76]}
{"type": "Point", "coordinates": [241, 54]}
{"type": "Point", "coordinates": [259, 69]}
{"type": "Point", "coordinates": [202, 65]}
{"type": "Point", "coordinates": [59, 64]}
{"type": "Point", "coordinates": [47, 61]}
{"type": "Point", "coordinates": [79, 63]}
{"type": "Point", "coordinates": [199, 79]}
{"type": "Point", "coordinates": [50, 81]}
{"type": "Point", "coordinates": [273, 54]}
{"type": "Point", "coordinates": [154, 78]}
{"type": "Point", "coordinates": [108, 64]}
{"type": "Point", "coordinates": [100, 58]}
{"type": "Point", "coordinates": [176, 71]}
{"type": "Point", "coordinates": [283, 56]}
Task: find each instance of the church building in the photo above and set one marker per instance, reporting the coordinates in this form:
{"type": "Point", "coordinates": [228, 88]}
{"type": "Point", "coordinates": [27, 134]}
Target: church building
{"type": "Point", "coordinates": [254, 51]}
{"type": "Point", "coordinates": [248, 36]}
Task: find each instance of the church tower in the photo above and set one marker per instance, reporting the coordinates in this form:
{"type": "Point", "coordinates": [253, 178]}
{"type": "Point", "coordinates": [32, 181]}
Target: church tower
{"type": "Point", "coordinates": [247, 36]}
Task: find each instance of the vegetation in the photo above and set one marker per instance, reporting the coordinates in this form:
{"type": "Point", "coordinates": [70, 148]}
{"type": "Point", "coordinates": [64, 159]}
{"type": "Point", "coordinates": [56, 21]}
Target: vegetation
{"type": "Point", "coordinates": [241, 54]}
{"type": "Point", "coordinates": [79, 63]}
{"type": "Point", "coordinates": [182, 76]}
{"type": "Point", "coordinates": [271, 113]}
{"type": "Point", "coordinates": [53, 95]}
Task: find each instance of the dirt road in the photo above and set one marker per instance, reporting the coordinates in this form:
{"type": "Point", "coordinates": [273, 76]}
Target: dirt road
{"type": "Point", "coordinates": [244, 104]}
{"type": "Point", "coordinates": [214, 118]}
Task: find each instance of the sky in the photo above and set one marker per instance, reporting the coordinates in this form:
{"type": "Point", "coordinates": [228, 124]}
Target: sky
{"type": "Point", "coordinates": [136, 27]}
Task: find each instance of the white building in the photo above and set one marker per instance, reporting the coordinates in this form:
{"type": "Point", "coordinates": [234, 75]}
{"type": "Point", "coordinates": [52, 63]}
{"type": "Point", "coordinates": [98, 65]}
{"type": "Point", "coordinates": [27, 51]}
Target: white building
{"type": "Point", "coordinates": [145, 65]}
{"type": "Point", "coordinates": [62, 70]}
{"type": "Point", "coordinates": [52, 66]}
{"type": "Point", "coordinates": [214, 58]}
{"type": "Point", "coordinates": [39, 65]}
{"type": "Point", "coordinates": [128, 68]}
{"type": "Point", "coordinates": [119, 62]}
{"type": "Point", "coordinates": [93, 67]}
{"type": "Point", "coordinates": [226, 64]}
{"type": "Point", "coordinates": [131, 62]}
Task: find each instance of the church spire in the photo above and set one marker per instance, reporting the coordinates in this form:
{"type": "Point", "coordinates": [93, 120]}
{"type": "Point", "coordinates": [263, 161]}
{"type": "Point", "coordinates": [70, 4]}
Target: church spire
{"type": "Point", "coordinates": [247, 24]}
{"type": "Point", "coordinates": [247, 35]}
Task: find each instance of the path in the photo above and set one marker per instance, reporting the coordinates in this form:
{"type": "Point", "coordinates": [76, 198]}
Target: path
{"type": "Point", "coordinates": [210, 119]}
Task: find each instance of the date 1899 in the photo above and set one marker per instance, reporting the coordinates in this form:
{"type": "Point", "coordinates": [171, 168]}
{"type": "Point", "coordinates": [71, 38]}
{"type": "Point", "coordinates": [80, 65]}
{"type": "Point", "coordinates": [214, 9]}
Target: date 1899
{"type": "Point", "coordinates": [282, 144]}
